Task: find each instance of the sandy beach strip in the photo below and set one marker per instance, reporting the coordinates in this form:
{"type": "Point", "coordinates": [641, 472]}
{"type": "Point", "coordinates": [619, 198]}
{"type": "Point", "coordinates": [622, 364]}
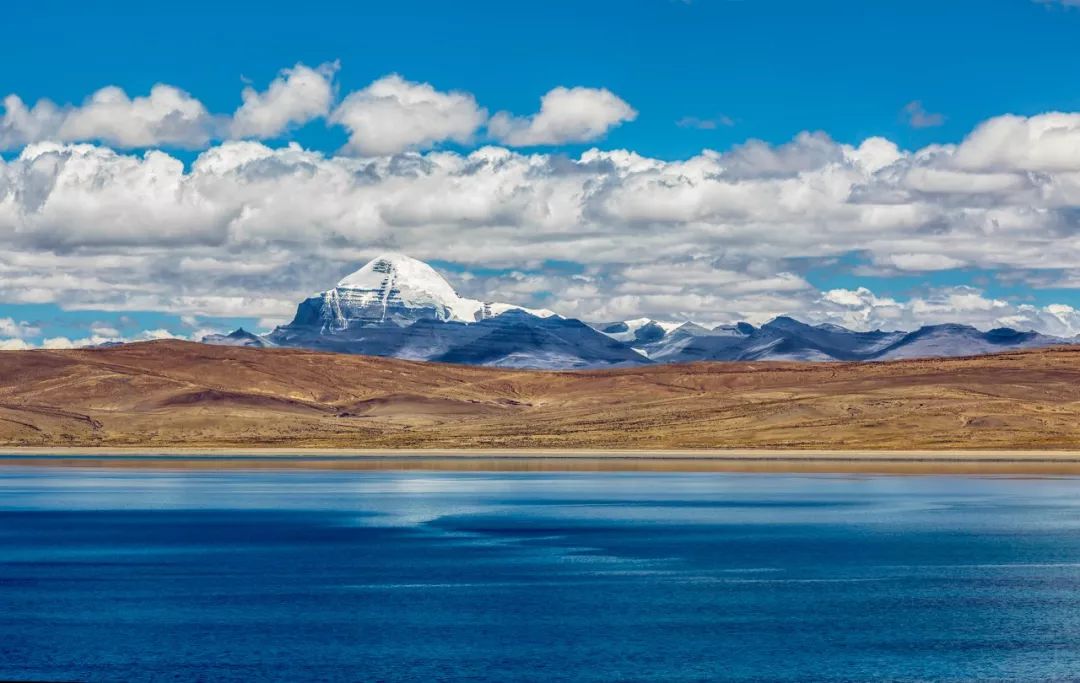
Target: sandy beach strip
{"type": "Point", "coordinates": [978, 462]}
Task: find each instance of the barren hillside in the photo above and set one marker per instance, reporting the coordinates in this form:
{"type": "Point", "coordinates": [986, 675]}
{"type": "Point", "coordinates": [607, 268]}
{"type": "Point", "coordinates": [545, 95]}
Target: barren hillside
{"type": "Point", "coordinates": [184, 394]}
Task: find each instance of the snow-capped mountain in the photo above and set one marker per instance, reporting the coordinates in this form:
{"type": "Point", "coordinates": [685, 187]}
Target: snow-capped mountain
{"type": "Point", "coordinates": [393, 289]}
{"type": "Point", "coordinates": [637, 332]}
{"type": "Point", "coordinates": [398, 306]}
{"type": "Point", "coordinates": [690, 341]}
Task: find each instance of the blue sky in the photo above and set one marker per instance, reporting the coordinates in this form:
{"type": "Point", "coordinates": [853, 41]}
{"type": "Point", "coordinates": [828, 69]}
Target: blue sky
{"type": "Point", "coordinates": [698, 75]}
{"type": "Point", "coordinates": [776, 67]}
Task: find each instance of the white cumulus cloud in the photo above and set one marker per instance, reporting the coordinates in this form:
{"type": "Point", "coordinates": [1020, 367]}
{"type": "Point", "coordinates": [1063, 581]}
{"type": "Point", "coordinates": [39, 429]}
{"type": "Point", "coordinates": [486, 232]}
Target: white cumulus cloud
{"type": "Point", "coordinates": [169, 116]}
{"type": "Point", "coordinates": [1047, 143]}
{"type": "Point", "coordinates": [566, 115]}
{"type": "Point", "coordinates": [9, 327]}
{"type": "Point", "coordinates": [393, 115]}
{"type": "Point", "coordinates": [166, 116]}
{"type": "Point", "coordinates": [295, 97]}
{"type": "Point", "coordinates": [14, 345]}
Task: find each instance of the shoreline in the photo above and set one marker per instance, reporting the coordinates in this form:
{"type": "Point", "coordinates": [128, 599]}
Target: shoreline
{"type": "Point", "coordinates": [970, 462]}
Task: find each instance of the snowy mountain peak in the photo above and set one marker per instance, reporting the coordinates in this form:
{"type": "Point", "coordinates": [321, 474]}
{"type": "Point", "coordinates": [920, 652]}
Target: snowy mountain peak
{"type": "Point", "coordinates": [395, 279]}
{"type": "Point", "coordinates": [390, 290]}
{"type": "Point", "coordinates": [390, 270]}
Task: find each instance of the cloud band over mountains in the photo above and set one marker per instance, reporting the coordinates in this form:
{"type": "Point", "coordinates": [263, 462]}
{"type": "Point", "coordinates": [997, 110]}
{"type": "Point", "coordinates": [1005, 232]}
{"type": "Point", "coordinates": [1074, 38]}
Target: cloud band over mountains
{"type": "Point", "coordinates": [250, 229]}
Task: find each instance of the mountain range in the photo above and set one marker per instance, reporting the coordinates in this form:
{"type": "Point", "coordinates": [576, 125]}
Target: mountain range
{"type": "Point", "coordinates": [400, 307]}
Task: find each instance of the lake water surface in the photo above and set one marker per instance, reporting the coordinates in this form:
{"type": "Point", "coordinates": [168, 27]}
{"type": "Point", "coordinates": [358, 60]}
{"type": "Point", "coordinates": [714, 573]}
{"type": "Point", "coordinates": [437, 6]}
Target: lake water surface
{"type": "Point", "coordinates": [300, 575]}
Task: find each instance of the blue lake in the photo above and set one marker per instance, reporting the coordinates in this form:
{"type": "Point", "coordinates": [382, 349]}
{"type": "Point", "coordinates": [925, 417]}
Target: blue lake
{"type": "Point", "coordinates": [300, 575]}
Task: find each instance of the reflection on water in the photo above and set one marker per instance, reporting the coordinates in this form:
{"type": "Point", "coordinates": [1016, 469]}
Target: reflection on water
{"type": "Point", "coordinates": [131, 575]}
